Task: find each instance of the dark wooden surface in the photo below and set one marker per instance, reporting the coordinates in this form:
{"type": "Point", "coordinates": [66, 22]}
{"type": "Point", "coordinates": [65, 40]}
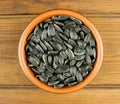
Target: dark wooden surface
{"type": "Point", "coordinates": [14, 85]}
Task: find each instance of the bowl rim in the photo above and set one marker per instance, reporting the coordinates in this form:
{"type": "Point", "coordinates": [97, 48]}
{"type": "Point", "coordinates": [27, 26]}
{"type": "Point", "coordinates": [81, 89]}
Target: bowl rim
{"type": "Point", "coordinates": [28, 30]}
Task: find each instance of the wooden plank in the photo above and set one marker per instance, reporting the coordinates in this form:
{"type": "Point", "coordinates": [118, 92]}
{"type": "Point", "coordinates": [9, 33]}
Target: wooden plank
{"type": "Point", "coordinates": [37, 96]}
{"type": "Point", "coordinates": [39, 6]}
{"type": "Point", "coordinates": [12, 28]}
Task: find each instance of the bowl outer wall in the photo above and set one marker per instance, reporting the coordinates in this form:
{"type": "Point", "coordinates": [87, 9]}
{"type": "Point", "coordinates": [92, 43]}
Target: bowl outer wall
{"type": "Point", "coordinates": [22, 54]}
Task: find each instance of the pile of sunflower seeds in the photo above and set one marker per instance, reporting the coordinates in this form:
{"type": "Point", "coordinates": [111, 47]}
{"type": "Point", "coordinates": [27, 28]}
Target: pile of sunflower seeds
{"type": "Point", "coordinates": [61, 51]}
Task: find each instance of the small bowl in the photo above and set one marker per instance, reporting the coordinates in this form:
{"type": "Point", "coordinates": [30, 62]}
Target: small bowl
{"type": "Point", "coordinates": [22, 54]}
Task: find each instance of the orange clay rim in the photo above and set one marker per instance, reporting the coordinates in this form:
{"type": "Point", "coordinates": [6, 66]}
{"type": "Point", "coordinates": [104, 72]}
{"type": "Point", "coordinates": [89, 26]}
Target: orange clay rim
{"type": "Point", "coordinates": [22, 53]}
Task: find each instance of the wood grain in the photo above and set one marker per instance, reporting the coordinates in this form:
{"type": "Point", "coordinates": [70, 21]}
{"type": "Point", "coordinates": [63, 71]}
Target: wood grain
{"type": "Point", "coordinates": [11, 29]}
{"type": "Point", "coordinates": [37, 96]}
{"type": "Point", "coordinates": [38, 6]}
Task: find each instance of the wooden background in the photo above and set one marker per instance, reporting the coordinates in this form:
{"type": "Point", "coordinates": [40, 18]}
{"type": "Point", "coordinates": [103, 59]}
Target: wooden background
{"type": "Point", "coordinates": [15, 88]}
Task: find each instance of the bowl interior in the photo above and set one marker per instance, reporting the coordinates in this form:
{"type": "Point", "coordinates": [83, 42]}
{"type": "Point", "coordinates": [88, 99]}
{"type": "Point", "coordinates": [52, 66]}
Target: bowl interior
{"type": "Point", "coordinates": [22, 53]}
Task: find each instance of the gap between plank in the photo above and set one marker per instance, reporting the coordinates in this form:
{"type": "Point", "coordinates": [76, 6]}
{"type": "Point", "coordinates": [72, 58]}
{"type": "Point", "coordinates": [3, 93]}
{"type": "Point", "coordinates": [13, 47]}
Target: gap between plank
{"type": "Point", "coordinates": [34, 87]}
{"type": "Point", "coordinates": [99, 15]}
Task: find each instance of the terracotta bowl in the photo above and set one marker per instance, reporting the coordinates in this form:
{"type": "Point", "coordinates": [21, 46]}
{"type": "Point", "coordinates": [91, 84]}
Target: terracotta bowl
{"type": "Point", "coordinates": [22, 53]}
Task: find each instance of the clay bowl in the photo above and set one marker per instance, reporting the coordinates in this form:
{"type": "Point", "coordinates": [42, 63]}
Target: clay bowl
{"type": "Point", "coordinates": [22, 53]}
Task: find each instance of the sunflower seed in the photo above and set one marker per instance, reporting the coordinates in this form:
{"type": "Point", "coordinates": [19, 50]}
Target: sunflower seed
{"type": "Point", "coordinates": [90, 68]}
{"type": "Point", "coordinates": [43, 78]}
{"type": "Point", "coordinates": [67, 32]}
{"type": "Point", "coordinates": [85, 62]}
{"type": "Point", "coordinates": [57, 40]}
{"type": "Point", "coordinates": [63, 54]}
{"type": "Point", "coordinates": [85, 68]}
{"type": "Point", "coordinates": [81, 43]}
{"type": "Point", "coordinates": [72, 42]}
{"type": "Point", "coordinates": [40, 25]}
{"type": "Point", "coordinates": [40, 69]}
{"type": "Point", "coordinates": [42, 65]}
{"type": "Point", "coordinates": [63, 17]}
{"type": "Point", "coordinates": [38, 34]}
{"type": "Point", "coordinates": [30, 53]}
{"type": "Point", "coordinates": [58, 47]}
{"type": "Point", "coordinates": [30, 36]}
{"type": "Point", "coordinates": [57, 36]}
{"type": "Point", "coordinates": [49, 74]}
{"type": "Point", "coordinates": [51, 30]}
{"type": "Point", "coordinates": [58, 28]}
{"type": "Point", "coordinates": [54, 18]}
{"type": "Point", "coordinates": [82, 35]}
{"type": "Point", "coordinates": [38, 47]}
{"type": "Point", "coordinates": [76, 20]}
{"type": "Point", "coordinates": [59, 70]}
{"type": "Point", "coordinates": [66, 61]}
{"type": "Point", "coordinates": [85, 29]}
{"type": "Point", "coordinates": [60, 85]}
{"type": "Point", "coordinates": [69, 25]}
{"type": "Point", "coordinates": [50, 59]}
{"type": "Point", "coordinates": [53, 83]}
{"type": "Point", "coordinates": [81, 57]}
{"type": "Point", "coordinates": [78, 29]}
{"type": "Point", "coordinates": [59, 23]}
{"type": "Point", "coordinates": [31, 43]}
{"type": "Point", "coordinates": [50, 69]}
{"type": "Point", "coordinates": [70, 79]}
{"type": "Point", "coordinates": [88, 59]}
{"type": "Point", "coordinates": [79, 63]}
{"type": "Point", "coordinates": [94, 53]}
{"type": "Point", "coordinates": [33, 50]}
{"type": "Point", "coordinates": [56, 58]}
{"type": "Point", "coordinates": [36, 29]}
{"type": "Point", "coordinates": [53, 78]}
{"type": "Point", "coordinates": [55, 62]}
{"type": "Point", "coordinates": [73, 34]}
{"type": "Point", "coordinates": [85, 74]}
{"type": "Point", "coordinates": [87, 38]}
{"type": "Point", "coordinates": [45, 59]}
{"type": "Point", "coordinates": [70, 54]}
{"type": "Point", "coordinates": [35, 71]}
{"type": "Point", "coordinates": [43, 46]}
{"type": "Point", "coordinates": [34, 60]}
{"type": "Point", "coordinates": [30, 65]}
{"type": "Point", "coordinates": [72, 63]}
{"type": "Point", "coordinates": [68, 45]}
{"type": "Point", "coordinates": [66, 74]}
{"type": "Point", "coordinates": [37, 75]}
{"type": "Point", "coordinates": [78, 51]}
{"type": "Point", "coordinates": [48, 46]}
{"type": "Point", "coordinates": [89, 50]}
{"type": "Point", "coordinates": [73, 71]}
{"type": "Point", "coordinates": [45, 25]}
{"type": "Point", "coordinates": [53, 52]}
{"type": "Point", "coordinates": [27, 47]}
{"type": "Point", "coordinates": [44, 34]}
{"type": "Point", "coordinates": [60, 77]}
{"type": "Point", "coordinates": [35, 39]}
{"type": "Point", "coordinates": [48, 21]}
{"type": "Point", "coordinates": [63, 37]}
{"type": "Point", "coordinates": [72, 83]}
{"type": "Point", "coordinates": [67, 21]}
{"type": "Point", "coordinates": [92, 41]}
{"type": "Point", "coordinates": [63, 68]}
{"type": "Point", "coordinates": [79, 76]}
{"type": "Point", "coordinates": [48, 39]}
{"type": "Point", "coordinates": [93, 60]}
{"type": "Point", "coordinates": [61, 60]}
